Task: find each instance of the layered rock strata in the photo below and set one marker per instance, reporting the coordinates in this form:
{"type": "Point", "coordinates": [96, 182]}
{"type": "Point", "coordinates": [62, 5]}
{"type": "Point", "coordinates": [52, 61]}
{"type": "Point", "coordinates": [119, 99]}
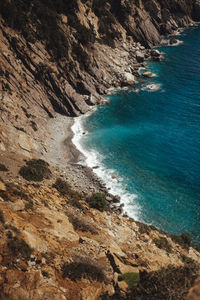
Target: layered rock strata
{"type": "Point", "coordinates": [63, 58]}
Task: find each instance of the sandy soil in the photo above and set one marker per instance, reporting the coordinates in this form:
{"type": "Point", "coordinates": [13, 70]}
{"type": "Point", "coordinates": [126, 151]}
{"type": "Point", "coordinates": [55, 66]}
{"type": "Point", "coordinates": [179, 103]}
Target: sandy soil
{"type": "Point", "coordinates": [60, 152]}
{"type": "Point", "coordinates": [59, 149]}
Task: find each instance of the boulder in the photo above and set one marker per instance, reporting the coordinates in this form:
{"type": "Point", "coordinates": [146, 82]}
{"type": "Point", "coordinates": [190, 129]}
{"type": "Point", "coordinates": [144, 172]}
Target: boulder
{"type": "Point", "coordinates": [114, 176]}
{"type": "Point", "coordinates": [116, 199]}
{"type": "Point", "coordinates": [155, 53]}
{"type": "Point", "coordinates": [128, 79]}
{"type": "Point", "coordinates": [148, 74]}
{"type": "Point", "coordinates": [173, 41]}
{"type": "Point", "coordinates": [139, 56]}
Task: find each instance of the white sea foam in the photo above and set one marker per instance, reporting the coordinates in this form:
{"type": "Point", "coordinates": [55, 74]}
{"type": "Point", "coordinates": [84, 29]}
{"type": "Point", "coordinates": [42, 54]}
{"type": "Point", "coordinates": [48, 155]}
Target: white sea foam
{"type": "Point", "coordinates": [93, 159]}
{"type": "Point", "coordinates": [152, 87]}
{"type": "Point", "coordinates": [166, 42]}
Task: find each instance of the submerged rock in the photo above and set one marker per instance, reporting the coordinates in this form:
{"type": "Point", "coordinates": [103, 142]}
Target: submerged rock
{"type": "Point", "coordinates": [148, 74]}
{"type": "Point", "coordinates": [173, 41]}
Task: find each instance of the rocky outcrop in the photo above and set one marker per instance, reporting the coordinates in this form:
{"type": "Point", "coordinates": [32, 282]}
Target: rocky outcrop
{"type": "Point", "coordinates": [54, 248]}
{"type": "Point", "coordinates": [67, 64]}
{"type": "Point", "coordinates": [62, 59]}
{"type": "Point", "coordinates": [53, 58]}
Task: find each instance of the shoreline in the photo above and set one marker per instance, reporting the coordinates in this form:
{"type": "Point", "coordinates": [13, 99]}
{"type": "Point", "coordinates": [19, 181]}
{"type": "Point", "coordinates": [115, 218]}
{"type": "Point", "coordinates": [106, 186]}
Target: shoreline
{"type": "Point", "coordinates": [68, 157]}
{"type": "Point", "coordinates": [65, 157]}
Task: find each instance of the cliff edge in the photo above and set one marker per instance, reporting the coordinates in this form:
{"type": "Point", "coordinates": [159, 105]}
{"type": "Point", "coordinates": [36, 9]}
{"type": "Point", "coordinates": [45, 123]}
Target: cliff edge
{"type": "Point", "coordinates": [60, 239]}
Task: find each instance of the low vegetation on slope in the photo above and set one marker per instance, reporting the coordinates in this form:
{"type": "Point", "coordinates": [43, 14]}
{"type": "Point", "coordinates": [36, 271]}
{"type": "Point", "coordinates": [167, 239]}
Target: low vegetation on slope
{"type": "Point", "coordinates": [35, 170]}
{"type": "Point", "coordinates": [168, 283]}
{"type": "Point", "coordinates": [53, 234]}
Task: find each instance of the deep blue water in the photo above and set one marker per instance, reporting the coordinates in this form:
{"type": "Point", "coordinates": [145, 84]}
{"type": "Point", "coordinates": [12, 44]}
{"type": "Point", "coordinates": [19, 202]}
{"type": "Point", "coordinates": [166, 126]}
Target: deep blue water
{"type": "Point", "coordinates": [151, 140]}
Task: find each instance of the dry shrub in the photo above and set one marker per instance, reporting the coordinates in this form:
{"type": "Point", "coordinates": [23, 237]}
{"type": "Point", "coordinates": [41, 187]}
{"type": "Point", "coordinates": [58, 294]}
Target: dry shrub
{"type": "Point", "coordinates": [35, 170]}
{"type": "Point", "coordinates": [79, 223]}
{"type": "Point", "coordinates": [83, 267]}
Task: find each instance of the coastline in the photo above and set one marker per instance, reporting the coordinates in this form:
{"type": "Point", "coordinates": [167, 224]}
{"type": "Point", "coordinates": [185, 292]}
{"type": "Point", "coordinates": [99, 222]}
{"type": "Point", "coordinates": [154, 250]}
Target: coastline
{"type": "Point", "coordinates": [73, 161]}
{"type": "Point", "coordinates": [107, 179]}
{"type": "Point", "coordinates": [67, 161]}
{"type": "Point", "coordinates": [65, 157]}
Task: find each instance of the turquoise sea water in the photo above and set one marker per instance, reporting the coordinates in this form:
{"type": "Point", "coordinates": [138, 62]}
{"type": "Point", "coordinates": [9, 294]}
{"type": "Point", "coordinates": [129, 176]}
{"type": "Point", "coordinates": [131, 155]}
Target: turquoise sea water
{"type": "Point", "coordinates": [151, 141]}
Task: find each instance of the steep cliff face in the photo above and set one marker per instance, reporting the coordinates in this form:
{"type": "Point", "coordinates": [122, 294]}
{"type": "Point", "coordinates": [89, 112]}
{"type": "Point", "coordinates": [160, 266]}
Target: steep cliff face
{"type": "Point", "coordinates": [62, 57]}
{"type": "Point", "coordinates": [53, 245]}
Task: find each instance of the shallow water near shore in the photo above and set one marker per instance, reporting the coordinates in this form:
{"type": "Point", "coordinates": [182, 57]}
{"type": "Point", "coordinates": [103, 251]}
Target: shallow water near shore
{"type": "Point", "coordinates": [149, 138]}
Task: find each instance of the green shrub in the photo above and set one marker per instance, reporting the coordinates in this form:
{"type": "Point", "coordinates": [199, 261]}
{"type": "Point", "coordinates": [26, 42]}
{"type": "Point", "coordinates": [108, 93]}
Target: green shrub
{"type": "Point", "coordinates": [2, 217]}
{"type": "Point", "coordinates": [3, 168]}
{"type": "Point", "coordinates": [35, 170]}
{"type": "Point", "coordinates": [98, 201]}
{"type": "Point", "coordinates": [162, 243]}
{"type": "Point", "coordinates": [167, 283]}
{"type": "Point", "coordinates": [131, 278]}
{"type": "Point", "coordinates": [85, 268]}
{"type": "Point", "coordinates": [19, 248]}
{"type": "Point", "coordinates": [184, 240]}
{"type": "Point", "coordinates": [62, 186]}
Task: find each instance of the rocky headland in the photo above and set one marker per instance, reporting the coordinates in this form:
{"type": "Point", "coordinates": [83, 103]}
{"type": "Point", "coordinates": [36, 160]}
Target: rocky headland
{"type": "Point", "coordinates": [57, 61]}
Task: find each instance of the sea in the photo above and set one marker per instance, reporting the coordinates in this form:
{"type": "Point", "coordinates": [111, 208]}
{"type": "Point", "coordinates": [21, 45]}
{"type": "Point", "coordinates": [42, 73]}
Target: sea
{"type": "Point", "coordinates": [145, 142]}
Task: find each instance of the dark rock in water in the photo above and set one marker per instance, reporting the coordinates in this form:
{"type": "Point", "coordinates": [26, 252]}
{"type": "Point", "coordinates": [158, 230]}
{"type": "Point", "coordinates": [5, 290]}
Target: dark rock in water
{"type": "Point", "coordinates": [155, 53]}
{"type": "Point", "coordinates": [116, 199]}
{"type": "Point", "coordinates": [125, 215]}
{"type": "Point", "coordinates": [147, 74]}
{"type": "Point", "coordinates": [139, 56]}
{"type": "Point", "coordinates": [173, 41]}
{"type": "Point", "coordinates": [128, 79]}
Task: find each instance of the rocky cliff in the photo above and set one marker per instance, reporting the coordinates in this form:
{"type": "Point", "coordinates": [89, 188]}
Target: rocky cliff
{"type": "Point", "coordinates": [57, 243]}
{"type": "Point", "coordinates": [63, 57]}
{"type": "Point", "coordinates": [60, 60]}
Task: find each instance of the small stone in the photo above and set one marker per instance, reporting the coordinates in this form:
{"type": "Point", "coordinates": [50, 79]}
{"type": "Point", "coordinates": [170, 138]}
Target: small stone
{"type": "Point", "coordinates": [109, 199]}
{"type": "Point", "coordinates": [2, 186]}
{"type": "Point", "coordinates": [116, 199]}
